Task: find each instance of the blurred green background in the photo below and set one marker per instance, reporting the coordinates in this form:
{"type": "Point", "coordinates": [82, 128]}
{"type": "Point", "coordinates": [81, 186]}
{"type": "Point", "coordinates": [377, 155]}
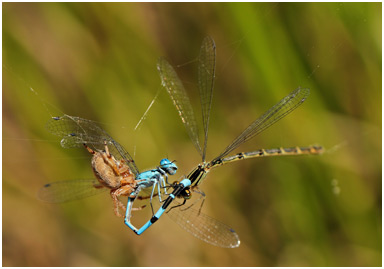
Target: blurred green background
{"type": "Point", "coordinates": [98, 61]}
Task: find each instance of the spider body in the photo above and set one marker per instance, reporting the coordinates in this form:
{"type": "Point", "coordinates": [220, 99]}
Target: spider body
{"type": "Point", "coordinates": [113, 174]}
{"type": "Point", "coordinates": [110, 172]}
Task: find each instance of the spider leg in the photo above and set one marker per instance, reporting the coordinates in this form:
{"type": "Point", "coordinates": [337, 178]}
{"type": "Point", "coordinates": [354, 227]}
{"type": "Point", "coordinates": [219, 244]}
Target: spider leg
{"type": "Point", "coordinates": [106, 149]}
{"type": "Point", "coordinates": [108, 158]}
{"type": "Point", "coordinates": [98, 185]}
{"type": "Point", "coordinates": [89, 149]}
{"type": "Point", "coordinates": [129, 180]}
{"type": "Point", "coordinates": [122, 191]}
{"type": "Point", "coordinates": [123, 168]}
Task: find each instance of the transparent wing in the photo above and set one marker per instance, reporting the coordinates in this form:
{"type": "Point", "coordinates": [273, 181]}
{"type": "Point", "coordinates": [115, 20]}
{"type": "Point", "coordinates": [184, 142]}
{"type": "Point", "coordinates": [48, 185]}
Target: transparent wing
{"type": "Point", "coordinates": [180, 99]}
{"type": "Point", "coordinates": [198, 224]}
{"type": "Point", "coordinates": [204, 227]}
{"type": "Point", "coordinates": [76, 131]}
{"type": "Point", "coordinates": [278, 111]}
{"type": "Point", "coordinates": [68, 190]}
{"type": "Point", "coordinates": [206, 76]}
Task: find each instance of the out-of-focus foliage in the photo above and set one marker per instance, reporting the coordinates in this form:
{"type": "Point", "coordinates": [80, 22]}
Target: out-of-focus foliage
{"type": "Point", "coordinates": [98, 61]}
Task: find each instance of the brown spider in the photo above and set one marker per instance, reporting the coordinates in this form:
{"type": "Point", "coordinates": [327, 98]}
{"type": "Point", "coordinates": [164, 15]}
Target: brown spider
{"type": "Point", "coordinates": [115, 175]}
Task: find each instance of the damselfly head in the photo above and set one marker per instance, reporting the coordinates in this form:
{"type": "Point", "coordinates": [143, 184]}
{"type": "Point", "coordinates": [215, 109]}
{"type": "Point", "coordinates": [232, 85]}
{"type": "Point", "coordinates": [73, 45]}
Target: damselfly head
{"type": "Point", "coordinates": [168, 166]}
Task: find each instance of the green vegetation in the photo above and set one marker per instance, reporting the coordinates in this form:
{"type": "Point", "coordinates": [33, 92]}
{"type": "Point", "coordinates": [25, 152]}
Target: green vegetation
{"type": "Point", "coordinates": [98, 61]}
